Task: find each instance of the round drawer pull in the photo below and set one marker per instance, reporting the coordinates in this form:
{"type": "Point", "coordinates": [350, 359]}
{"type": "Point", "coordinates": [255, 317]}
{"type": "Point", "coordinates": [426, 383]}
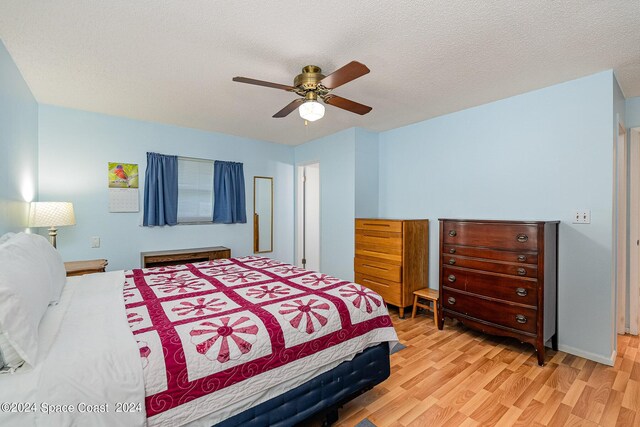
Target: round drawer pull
{"type": "Point", "coordinates": [451, 300]}
{"type": "Point", "coordinates": [522, 238]}
{"type": "Point", "coordinates": [451, 278]}
{"type": "Point", "coordinates": [452, 233]}
{"type": "Point", "coordinates": [452, 250]}
{"type": "Point", "coordinates": [452, 261]}
{"type": "Point", "coordinates": [521, 271]}
{"type": "Point", "coordinates": [521, 318]}
{"type": "Point", "coordinates": [522, 258]}
{"type": "Point", "coordinates": [521, 292]}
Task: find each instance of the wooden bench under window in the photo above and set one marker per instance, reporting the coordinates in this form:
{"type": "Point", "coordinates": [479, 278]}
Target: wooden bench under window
{"type": "Point", "coordinates": [183, 256]}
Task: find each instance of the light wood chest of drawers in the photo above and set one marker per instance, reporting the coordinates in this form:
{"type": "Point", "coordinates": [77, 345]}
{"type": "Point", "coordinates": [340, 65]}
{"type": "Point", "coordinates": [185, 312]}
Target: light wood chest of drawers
{"type": "Point", "coordinates": [501, 277]}
{"type": "Point", "coordinates": [392, 258]}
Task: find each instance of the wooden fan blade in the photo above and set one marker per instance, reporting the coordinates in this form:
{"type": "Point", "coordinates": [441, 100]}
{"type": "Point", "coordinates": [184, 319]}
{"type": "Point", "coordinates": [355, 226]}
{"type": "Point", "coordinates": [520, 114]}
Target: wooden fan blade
{"type": "Point", "coordinates": [289, 108]}
{"type": "Point", "coordinates": [351, 71]}
{"type": "Point", "coordinates": [347, 104]}
{"type": "Point", "coordinates": [263, 83]}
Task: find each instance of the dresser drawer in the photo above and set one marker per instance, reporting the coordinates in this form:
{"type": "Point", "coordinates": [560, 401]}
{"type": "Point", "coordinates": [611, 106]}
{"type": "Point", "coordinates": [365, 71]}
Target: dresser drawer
{"type": "Point", "coordinates": [391, 292]}
{"type": "Point", "coordinates": [503, 314]}
{"type": "Point", "coordinates": [521, 270]}
{"type": "Point", "coordinates": [383, 238]}
{"type": "Point", "coordinates": [475, 252]}
{"type": "Point", "coordinates": [502, 236]}
{"type": "Point", "coordinates": [384, 254]}
{"type": "Point", "coordinates": [500, 286]}
{"type": "Point", "coordinates": [379, 225]}
{"type": "Point", "coordinates": [378, 269]}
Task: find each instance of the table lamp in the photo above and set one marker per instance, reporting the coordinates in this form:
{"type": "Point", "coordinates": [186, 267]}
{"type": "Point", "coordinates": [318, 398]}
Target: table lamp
{"type": "Point", "coordinates": [52, 215]}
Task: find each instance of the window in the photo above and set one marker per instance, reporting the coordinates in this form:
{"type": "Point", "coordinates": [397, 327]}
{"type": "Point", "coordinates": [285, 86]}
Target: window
{"type": "Point", "coordinates": [195, 190]}
{"type": "Point", "coordinates": [180, 190]}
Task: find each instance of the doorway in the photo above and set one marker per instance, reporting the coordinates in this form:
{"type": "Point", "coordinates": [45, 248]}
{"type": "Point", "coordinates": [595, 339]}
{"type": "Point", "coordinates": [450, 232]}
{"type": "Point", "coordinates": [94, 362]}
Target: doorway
{"type": "Point", "coordinates": [308, 216]}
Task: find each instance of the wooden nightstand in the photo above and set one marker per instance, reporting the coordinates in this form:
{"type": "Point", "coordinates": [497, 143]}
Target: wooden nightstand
{"type": "Point", "coordinates": [78, 268]}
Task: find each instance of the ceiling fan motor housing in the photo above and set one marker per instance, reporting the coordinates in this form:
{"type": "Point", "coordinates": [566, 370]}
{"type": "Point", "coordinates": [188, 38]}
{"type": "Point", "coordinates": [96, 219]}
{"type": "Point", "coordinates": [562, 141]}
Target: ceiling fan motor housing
{"type": "Point", "coordinates": [309, 78]}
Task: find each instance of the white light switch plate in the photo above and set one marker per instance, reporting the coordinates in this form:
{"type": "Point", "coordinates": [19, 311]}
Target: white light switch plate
{"type": "Point", "coordinates": [95, 242]}
{"type": "Point", "coordinates": [582, 216]}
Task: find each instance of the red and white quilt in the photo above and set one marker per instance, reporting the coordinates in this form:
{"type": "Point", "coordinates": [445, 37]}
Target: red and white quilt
{"type": "Point", "coordinates": [213, 334]}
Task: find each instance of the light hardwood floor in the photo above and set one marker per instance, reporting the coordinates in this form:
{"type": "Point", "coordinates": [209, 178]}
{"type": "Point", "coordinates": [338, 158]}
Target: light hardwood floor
{"type": "Point", "coordinates": [459, 377]}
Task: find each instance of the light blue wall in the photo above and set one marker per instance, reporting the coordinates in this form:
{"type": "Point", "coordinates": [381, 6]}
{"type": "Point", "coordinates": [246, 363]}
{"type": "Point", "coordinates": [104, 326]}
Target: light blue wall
{"type": "Point", "coordinates": [632, 113]}
{"type": "Point", "coordinates": [366, 174]}
{"type": "Point", "coordinates": [336, 155]}
{"type": "Point", "coordinates": [18, 146]}
{"type": "Point", "coordinates": [75, 147]}
{"type": "Point", "coordinates": [537, 156]}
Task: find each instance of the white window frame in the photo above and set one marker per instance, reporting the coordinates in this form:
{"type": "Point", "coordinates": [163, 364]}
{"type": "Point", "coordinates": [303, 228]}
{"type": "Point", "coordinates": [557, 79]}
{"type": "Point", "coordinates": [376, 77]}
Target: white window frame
{"type": "Point", "coordinates": [195, 219]}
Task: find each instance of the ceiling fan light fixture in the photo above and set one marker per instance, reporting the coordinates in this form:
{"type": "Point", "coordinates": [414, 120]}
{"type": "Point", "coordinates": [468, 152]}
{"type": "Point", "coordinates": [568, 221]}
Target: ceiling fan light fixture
{"type": "Point", "coordinates": [311, 110]}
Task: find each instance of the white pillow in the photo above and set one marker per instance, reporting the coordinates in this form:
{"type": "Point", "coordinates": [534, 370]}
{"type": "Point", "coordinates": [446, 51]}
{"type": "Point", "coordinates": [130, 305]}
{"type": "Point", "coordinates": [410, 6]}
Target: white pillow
{"type": "Point", "coordinates": [10, 360]}
{"type": "Point", "coordinates": [6, 237]}
{"type": "Point", "coordinates": [52, 259]}
{"type": "Point", "coordinates": [25, 292]}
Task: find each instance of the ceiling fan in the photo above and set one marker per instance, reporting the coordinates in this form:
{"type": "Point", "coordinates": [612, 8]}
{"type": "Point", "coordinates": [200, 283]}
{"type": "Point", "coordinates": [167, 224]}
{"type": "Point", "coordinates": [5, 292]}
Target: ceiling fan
{"type": "Point", "coordinates": [312, 85]}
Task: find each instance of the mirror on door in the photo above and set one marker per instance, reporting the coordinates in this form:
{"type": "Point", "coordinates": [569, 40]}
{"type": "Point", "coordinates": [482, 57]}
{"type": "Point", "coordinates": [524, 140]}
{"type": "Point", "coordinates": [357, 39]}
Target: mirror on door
{"type": "Point", "coordinates": [262, 214]}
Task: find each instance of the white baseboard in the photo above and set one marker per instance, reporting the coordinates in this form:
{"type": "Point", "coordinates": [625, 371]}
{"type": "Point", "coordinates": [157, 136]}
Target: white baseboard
{"type": "Point", "coordinates": [588, 355]}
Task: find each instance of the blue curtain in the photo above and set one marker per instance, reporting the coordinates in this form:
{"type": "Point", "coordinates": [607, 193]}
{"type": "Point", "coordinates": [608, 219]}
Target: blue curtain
{"type": "Point", "coordinates": [228, 188]}
{"type": "Point", "coordinates": [161, 190]}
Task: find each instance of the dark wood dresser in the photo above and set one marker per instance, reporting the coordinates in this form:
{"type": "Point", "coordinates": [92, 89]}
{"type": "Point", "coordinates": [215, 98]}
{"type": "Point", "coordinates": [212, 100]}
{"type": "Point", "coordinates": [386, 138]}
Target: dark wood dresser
{"type": "Point", "coordinates": [392, 258]}
{"type": "Point", "coordinates": [501, 277]}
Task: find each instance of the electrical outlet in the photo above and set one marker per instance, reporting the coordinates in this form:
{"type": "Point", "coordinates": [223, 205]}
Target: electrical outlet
{"type": "Point", "coordinates": [582, 216]}
{"type": "Point", "coordinates": [95, 242]}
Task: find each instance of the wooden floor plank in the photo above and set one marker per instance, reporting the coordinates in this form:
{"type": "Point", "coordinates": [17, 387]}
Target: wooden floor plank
{"type": "Point", "coordinates": [612, 409]}
{"type": "Point", "coordinates": [574, 392]}
{"type": "Point", "coordinates": [560, 417]}
{"type": "Point", "coordinates": [627, 417]}
{"type": "Point", "coordinates": [583, 403]}
{"type": "Point", "coordinates": [417, 411]}
{"type": "Point", "coordinates": [620, 383]}
{"type": "Point", "coordinates": [550, 408]}
{"type": "Point", "coordinates": [631, 399]}
{"type": "Point", "coordinates": [393, 410]}
{"type": "Point", "coordinates": [509, 417]}
{"type": "Point", "coordinates": [528, 415]}
{"type": "Point", "coordinates": [490, 412]}
{"type": "Point", "coordinates": [434, 416]}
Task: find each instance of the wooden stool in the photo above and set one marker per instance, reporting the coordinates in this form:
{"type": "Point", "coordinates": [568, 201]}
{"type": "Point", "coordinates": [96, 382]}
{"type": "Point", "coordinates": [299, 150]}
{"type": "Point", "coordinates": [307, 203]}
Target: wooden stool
{"type": "Point", "coordinates": [429, 295]}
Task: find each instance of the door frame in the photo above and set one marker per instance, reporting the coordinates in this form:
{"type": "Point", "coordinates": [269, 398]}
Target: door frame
{"type": "Point", "coordinates": [621, 228]}
{"type": "Point", "coordinates": [634, 228]}
{"type": "Point", "coordinates": [299, 236]}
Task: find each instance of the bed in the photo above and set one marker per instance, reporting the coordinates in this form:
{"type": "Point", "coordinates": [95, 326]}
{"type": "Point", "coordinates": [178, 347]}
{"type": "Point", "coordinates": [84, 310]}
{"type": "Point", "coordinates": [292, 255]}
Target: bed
{"type": "Point", "coordinates": [242, 341]}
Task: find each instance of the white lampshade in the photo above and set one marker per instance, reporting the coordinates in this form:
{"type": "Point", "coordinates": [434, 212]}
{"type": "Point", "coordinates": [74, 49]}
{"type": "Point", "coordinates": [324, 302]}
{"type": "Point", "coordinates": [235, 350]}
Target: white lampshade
{"type": "Point", "coordinates": [51, 214]}
{"type": "Point", "coordinates": [311, 111]}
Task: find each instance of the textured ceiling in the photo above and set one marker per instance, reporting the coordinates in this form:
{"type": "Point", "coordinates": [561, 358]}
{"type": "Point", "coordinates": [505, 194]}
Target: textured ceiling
{"type": "Point", "coordinates": [172, 61]}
